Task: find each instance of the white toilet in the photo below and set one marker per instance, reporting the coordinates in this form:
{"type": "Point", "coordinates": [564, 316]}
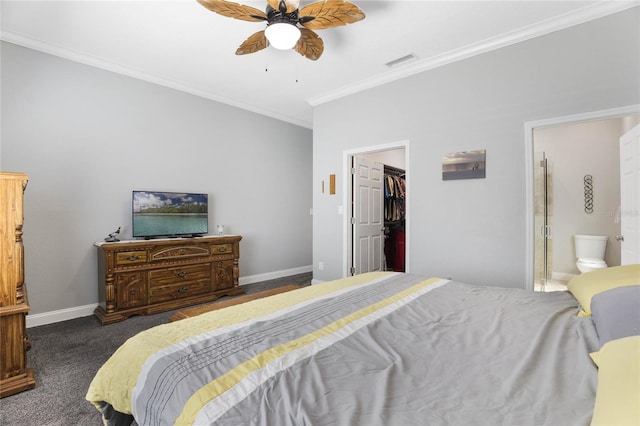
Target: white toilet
{"type": "Point", "coordinates": [590, 251]}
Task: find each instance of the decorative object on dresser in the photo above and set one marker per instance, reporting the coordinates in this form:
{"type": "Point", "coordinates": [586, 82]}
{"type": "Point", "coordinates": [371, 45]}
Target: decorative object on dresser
{"type": "Point", "coordinates": [151, 276]}
{"type": "Point", "coordinates": [14, 375]}
{"type": "Point", "coordinates": [113, 237]}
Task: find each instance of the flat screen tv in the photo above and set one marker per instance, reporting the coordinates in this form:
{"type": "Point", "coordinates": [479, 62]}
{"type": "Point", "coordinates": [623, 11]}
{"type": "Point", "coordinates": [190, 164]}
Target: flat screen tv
{"type": "Point", "coordinates": [169, 214]}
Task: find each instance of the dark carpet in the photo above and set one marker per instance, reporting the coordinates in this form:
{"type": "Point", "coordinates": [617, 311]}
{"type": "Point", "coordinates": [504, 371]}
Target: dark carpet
{"type": "Point", "coordinates": [66, 356]}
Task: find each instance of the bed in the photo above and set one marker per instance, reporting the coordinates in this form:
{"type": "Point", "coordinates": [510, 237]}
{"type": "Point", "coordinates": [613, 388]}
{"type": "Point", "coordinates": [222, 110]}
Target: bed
{"type": "Point", "coordinates": [381, 348]}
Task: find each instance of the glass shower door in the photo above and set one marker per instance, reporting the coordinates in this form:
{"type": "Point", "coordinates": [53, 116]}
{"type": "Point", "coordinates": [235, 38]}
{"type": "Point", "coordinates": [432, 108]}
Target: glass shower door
{"type": "Point", "coordinates": [542, 207]}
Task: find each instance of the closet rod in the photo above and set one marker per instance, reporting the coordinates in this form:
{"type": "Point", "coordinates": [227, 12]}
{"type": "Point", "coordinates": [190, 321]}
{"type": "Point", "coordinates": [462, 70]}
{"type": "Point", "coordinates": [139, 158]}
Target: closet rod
{"type": "Point", "coordinates": [390, 170]}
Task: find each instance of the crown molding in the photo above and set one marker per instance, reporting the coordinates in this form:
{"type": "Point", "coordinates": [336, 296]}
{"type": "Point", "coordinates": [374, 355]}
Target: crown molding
{"type": "Point", "coordinates": [586, 14]}
{"type": "Point", "coordinates": [82, 58]}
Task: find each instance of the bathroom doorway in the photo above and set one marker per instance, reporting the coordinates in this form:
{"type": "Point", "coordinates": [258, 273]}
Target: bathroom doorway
{"type": "Point", "coordinates": [575, 190]}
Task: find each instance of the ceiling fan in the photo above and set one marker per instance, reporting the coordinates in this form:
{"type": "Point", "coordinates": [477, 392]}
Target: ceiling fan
{"type": "Point", "coordinates": [287, 26]}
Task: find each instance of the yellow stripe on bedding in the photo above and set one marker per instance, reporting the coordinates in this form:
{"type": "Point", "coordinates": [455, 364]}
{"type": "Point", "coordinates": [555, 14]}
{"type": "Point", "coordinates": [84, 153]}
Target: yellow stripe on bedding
{"type": "Point", "coordinates": [227, 381]}
{"type": "Point", "coordinates": [122, 369]}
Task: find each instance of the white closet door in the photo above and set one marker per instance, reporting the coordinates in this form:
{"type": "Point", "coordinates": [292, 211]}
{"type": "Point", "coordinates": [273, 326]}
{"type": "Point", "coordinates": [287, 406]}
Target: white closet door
{"type": "Point", "coordinates": [368, 221]}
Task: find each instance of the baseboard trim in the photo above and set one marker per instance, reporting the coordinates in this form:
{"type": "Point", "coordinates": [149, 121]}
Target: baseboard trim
{"type": "Point", "coordinates": [273, 275]}
{"type": "Point", "coordinates": [35, 320]}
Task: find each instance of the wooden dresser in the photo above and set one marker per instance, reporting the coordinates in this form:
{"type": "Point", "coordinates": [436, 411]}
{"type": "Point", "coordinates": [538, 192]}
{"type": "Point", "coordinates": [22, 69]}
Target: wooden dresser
{"type": "Point", "coordinates": [151, 276]}
{"type": "Point", "coordinates": [14, 375]}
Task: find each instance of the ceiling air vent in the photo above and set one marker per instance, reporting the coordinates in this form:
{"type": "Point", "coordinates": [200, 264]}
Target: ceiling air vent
{"type": "Point", "coordinates": [401, 60]}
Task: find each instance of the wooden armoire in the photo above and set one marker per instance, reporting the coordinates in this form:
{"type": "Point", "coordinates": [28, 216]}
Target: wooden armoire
{"type": "Point", "coordinates": [14, 375]}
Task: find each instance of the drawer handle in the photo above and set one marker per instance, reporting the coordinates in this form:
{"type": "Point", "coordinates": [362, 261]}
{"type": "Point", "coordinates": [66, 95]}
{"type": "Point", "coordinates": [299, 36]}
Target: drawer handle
{"type": "Point", "coordinates": [222, 249]}
{"type": "Point", "coordinates": [182, 251]}
{"type": "Point", "coordinates": [182, 289]}
{"type": "Point", "coordinates": [132, 258]}
{"type": "Point", "coordinates": [181, 274]}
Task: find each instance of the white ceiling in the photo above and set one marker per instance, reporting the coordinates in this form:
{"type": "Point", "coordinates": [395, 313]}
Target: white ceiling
{"type": "Point", "coordinates": [182, 45]}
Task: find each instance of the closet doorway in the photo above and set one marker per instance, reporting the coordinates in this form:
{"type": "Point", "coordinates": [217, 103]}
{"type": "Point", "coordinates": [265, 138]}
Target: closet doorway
{"type": "Point", "coordinates": [389, 196]}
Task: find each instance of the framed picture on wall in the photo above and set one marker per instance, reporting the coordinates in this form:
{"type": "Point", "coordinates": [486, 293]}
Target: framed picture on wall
{"type": "Point", "coordinates": [464, 165]}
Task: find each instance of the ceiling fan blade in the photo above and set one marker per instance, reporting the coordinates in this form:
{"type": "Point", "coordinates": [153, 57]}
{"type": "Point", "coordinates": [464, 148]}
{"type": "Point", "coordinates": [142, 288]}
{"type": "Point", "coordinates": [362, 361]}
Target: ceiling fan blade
{"type": "Point", "coordinates": [253, 44]}
{"type": "Point", "coordinates": [291, 4]}
{"type": "Point", "coordinates": [310, 44]}
{"type": "Point", "coordinates": [234, 10]}
{"type": "Point", "coordinates": [330, 13]}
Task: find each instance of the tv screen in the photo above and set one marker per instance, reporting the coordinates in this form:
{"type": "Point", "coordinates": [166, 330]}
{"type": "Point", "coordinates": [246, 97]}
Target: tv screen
{"type": "Point", "coordinates": [169, 214]}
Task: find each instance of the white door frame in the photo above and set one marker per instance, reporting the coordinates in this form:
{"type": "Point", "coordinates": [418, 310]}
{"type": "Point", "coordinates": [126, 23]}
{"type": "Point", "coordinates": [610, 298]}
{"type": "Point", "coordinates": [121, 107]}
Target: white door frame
{"type": "Point", "coordinates": [347, 183]}
{"type": "Point", "coordinates": [529, 127]}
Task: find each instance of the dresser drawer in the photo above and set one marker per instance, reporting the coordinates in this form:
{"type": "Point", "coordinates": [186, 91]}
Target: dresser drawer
{"type": "Point", "coordinates": [131, 289]}
{"type": "Point", "coordinates": [179, 252]}
{"type": "Point", "coordinates": [179, 274]}
{"type": "Point", "coordinates": [133, 257]}
{"type": "Point", "coordinates": [221, 249]}
{"type": "Point", "coordinates": [178, 291]}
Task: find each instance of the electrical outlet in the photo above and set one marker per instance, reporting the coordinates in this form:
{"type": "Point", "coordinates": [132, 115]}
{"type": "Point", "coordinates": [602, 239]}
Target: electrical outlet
{"type": "Point", "coordinates": [320, 266]}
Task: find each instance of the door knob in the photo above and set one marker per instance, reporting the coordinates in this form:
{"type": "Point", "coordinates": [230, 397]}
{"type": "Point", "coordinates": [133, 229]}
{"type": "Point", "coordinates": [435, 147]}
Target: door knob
{"type": "Point", "coordinates": [619, 237]}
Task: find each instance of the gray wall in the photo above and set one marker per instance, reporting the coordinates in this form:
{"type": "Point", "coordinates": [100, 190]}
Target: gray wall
{"type": "Point", "coordinates": [88, 137]}
{"type": "Point", "coordinates": [472, 230]}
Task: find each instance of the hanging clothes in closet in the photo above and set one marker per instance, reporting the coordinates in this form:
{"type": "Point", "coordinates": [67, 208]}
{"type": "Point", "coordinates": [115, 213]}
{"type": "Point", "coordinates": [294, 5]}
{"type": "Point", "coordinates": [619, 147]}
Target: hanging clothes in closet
{"type": "Point", "coordinates": [394, 189]}
{"type": "Point", "coordinates": [394, 214]}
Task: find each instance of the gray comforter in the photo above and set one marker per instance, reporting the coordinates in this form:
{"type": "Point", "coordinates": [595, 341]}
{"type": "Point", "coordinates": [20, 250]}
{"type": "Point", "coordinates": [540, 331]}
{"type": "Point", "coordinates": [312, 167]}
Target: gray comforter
{"type": "Point", "coordinates": [395, 351]}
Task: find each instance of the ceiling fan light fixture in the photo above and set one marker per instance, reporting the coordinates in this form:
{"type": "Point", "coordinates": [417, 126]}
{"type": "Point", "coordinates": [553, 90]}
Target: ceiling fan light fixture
{"type": "Point", "coordinates": [282, 35]}
{"type": "Point", "coordinates": [289, 27]}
